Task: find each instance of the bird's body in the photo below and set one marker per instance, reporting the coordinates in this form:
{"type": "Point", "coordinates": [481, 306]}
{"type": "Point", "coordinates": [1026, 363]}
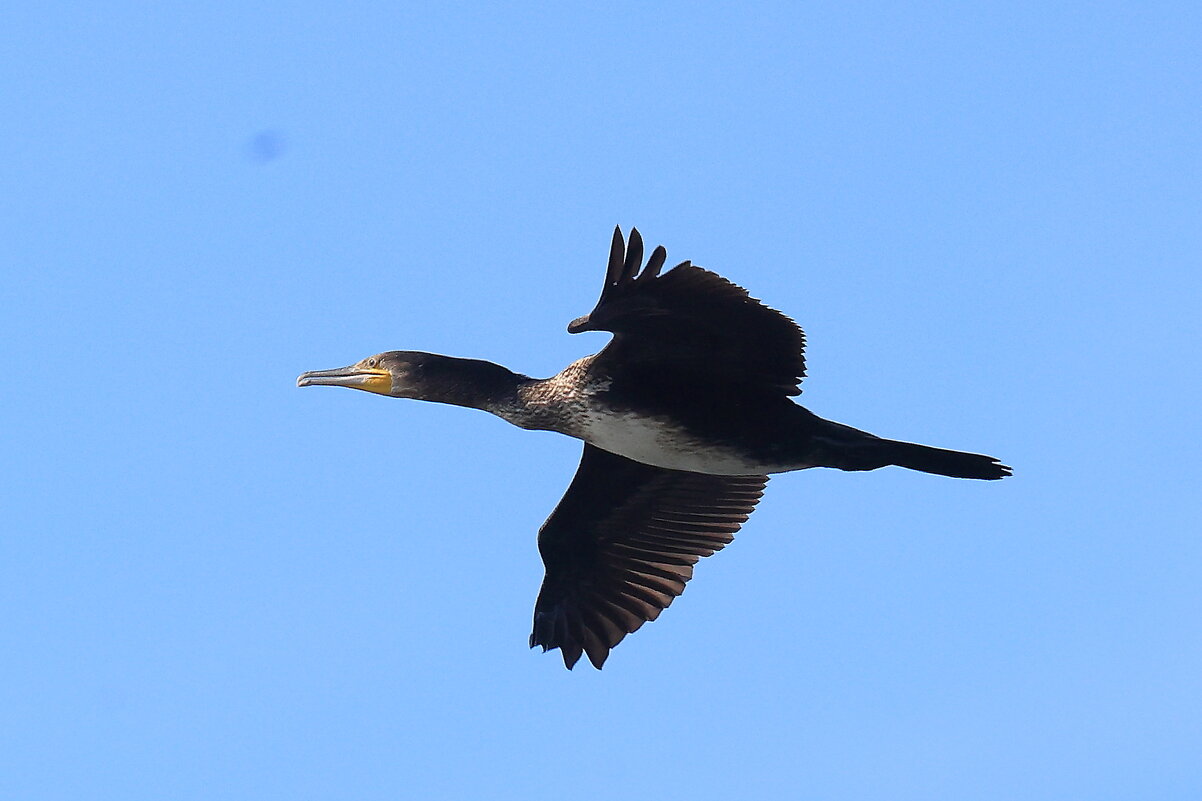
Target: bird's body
{"type": "Point", "coordinates": [674, 423]}
{"type": "Point", "coordinates": [684, 414]}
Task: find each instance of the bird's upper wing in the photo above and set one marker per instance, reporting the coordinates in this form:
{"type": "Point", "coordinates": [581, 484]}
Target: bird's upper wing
{"type": "Point", "coordinates": [692, 319]}
{"type": "Point", "coordinates": [621, 544]}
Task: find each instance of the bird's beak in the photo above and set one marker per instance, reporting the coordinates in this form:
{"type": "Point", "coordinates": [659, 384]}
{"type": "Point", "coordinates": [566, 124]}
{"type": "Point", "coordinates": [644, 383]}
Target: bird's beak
{"type": "Point", "coordinates": [371, 379]}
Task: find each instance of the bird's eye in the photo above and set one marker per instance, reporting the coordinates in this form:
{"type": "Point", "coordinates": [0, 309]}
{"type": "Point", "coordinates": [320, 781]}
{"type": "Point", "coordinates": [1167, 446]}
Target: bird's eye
{"type": "Point", "coordinates": [372, 362]}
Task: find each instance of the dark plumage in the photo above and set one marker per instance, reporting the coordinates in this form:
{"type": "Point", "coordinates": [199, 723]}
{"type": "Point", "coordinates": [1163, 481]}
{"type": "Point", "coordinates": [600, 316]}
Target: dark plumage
{"type": "Point", "coordinates": [683, 414]}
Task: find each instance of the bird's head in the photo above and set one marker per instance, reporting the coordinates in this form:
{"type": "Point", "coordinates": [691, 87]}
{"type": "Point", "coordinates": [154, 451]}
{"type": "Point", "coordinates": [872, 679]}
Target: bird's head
{"type": "Point", "coordinates": [396, 373]}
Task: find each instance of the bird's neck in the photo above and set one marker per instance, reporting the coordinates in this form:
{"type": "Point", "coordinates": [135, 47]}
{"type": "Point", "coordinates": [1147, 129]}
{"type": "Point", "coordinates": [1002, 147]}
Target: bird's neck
{"type": "Point", "coordinates": [472, 383]}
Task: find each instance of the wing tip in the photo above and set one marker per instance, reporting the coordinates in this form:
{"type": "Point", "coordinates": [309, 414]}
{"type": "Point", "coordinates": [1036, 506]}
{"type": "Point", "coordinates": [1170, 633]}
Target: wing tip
{"type": "Point", "coordinates": [626, 258]}
{"type": "Point", "coordinates": [654, 264]}
{"type": "Point", "coordinates": [569, 649]}
{"type": "Point", "coordinates": [617, 257]}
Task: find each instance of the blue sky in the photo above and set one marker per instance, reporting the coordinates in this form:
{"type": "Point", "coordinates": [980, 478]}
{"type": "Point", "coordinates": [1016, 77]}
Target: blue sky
{"type": "Point", "coordinates": [215, 585]}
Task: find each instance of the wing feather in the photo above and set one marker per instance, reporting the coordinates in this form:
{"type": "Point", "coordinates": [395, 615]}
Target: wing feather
{"type": "Point", "coordinates": [690, 319]}
{"type": "Point", "coordinates": [621, 545]}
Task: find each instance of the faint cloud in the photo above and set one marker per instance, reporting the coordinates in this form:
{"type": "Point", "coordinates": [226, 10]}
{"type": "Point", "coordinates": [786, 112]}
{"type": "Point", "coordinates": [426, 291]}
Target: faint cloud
{"type": "Point", "coordinates": [267, 145]}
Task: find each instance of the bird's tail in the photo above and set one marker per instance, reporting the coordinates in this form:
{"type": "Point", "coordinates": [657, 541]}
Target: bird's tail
{"type": "Point", "coordinates": [956, 464]}
{"type": "Point", "coordinates": [847, 448]}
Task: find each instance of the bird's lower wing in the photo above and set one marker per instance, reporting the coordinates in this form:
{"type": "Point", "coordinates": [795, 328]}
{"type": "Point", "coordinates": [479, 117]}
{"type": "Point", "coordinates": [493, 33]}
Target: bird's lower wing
{"type": "Point", "coordinates": [621, 544]}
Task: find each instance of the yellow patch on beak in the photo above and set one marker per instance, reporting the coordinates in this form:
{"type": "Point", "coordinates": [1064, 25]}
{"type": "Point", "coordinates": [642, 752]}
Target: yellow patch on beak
{"type": "Point", "coordinates": [378, 381]}
{"type": "Point", "coordinates": [370, 379]}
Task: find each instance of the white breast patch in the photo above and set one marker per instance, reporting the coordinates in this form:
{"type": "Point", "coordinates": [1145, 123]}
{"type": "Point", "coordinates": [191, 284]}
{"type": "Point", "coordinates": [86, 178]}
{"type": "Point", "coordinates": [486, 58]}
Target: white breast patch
{"type": "Point", "coordinates": [652, 441]}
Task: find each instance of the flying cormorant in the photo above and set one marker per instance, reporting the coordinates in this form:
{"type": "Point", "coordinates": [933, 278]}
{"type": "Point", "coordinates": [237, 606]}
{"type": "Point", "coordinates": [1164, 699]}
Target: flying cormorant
{"type": "Point", "coordinates": [683, 415]}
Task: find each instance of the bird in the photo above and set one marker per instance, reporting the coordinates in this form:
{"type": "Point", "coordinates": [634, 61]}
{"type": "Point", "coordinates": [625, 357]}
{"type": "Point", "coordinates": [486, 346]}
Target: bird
{"type": "Point", "coordinates": [684, 414]}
